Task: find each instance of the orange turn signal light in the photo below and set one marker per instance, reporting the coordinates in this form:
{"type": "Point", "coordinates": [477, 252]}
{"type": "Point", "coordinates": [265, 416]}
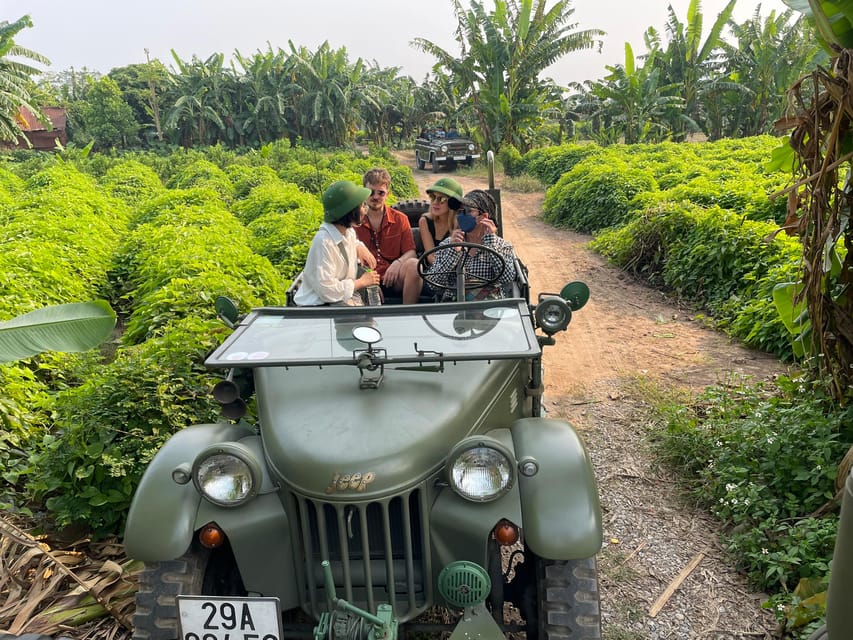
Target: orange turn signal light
{"type": "Point", "coordinates": [211, 536]}
{"type": "Point", "coordinates": [506, 533]}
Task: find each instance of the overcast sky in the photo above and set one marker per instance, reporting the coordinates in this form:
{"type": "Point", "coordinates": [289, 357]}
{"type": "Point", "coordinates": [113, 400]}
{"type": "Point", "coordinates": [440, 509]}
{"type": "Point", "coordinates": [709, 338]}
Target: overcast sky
{"type": "Point", "coordinates": [104, 34]}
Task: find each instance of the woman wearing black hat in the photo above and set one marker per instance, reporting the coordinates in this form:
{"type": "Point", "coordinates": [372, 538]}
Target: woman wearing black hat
{"type": "Point", "coordinates": [330, 274]}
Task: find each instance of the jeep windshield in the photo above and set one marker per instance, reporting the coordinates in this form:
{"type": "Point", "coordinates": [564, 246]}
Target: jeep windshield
{"type": "Point", "coordinates": [304, 336]}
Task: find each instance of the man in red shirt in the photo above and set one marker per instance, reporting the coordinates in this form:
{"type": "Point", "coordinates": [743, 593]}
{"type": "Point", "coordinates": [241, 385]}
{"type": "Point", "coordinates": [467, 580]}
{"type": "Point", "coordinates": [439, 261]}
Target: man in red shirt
{"type": "Point", "coordinates": [388, 235]}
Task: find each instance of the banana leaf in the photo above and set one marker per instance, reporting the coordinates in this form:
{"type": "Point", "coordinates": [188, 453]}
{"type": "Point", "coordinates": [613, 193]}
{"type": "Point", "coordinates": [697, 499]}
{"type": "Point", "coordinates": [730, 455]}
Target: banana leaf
{"type": "Point", "coordinates": [833, 21]}
{"type": "Point", "coordinates": [76, 326]}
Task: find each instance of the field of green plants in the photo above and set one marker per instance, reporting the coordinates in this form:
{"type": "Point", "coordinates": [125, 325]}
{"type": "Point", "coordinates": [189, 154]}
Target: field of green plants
{"type": "Point", "coordinates": [161, 236]}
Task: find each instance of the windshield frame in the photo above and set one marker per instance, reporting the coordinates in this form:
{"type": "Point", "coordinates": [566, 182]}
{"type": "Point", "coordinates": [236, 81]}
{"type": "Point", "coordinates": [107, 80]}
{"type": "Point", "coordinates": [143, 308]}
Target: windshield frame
{"type": "Point", "coordinates": [517, 336]}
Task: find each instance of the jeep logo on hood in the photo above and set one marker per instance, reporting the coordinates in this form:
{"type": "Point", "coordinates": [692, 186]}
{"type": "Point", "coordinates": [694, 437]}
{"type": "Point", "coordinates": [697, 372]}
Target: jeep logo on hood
{"type": "Point", "coordinates": [350, 481]}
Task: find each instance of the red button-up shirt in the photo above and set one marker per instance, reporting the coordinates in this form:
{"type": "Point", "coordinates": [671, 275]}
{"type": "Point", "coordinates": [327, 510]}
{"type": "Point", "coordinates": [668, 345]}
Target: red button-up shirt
{"type": "Point", "coordinates": [393, 239]}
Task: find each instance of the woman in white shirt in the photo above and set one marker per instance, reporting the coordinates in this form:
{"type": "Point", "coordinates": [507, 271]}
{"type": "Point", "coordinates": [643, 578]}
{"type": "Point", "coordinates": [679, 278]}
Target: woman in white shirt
{"type": "Point", "coordinates": [331, 275]}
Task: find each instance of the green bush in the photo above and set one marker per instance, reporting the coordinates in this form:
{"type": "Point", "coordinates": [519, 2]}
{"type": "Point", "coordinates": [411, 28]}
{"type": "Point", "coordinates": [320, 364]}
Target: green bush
{"type": "Point", "coordinates": [548, 164]}
{"type": "Point", "coordinates": [510, 159]}
{"type": "Point", "coordinates": [274, 197]}
{"type": "Point", "coordinates": [107, 430]}
{"type": "Point", "coordinates": [203, 173]}
{"type": "Point", "coordinates": [132, 182]}
{"type": "Point", "coordinates": [595, 194]}
{"type": "Point", "coordinates": [285, 238]}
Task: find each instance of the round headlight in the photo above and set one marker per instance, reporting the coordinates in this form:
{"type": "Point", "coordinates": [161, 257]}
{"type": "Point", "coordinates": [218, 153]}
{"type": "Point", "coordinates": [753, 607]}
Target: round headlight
{"type": "Point", "coordinates": [444, 148]}
{"type": "Point", "coordinates": [553, 314]}
{"type": "Point", "coordinates": [227, 474]}
{"type": "Point", "coordinates": [480, 471]}
{"type": "Point", "coordinates": [470, 147]}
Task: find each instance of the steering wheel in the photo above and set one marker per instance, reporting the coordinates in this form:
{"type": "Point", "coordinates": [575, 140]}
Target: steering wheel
{"type": "Point", "coordinates": [467, 325]}
{"type": "Point", "coordinates": [469, 280]}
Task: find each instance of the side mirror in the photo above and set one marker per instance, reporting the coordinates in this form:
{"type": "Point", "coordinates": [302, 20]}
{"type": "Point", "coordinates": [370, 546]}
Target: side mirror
{"type": "Point", "coordinates": [226, 310]}
{"type": "Point", "coordinates": [576, 294]}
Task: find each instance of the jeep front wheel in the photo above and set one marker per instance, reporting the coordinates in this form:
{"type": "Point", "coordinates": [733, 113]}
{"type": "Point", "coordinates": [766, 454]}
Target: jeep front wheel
{"type": "Point", "coordinates": [421, 164]}
{"type": "Point", "coordinates": [197, 572]}
{"type": "Point", "coordinates": [434, 163]}
{"type": "Point", "coordinates": [559, 599]}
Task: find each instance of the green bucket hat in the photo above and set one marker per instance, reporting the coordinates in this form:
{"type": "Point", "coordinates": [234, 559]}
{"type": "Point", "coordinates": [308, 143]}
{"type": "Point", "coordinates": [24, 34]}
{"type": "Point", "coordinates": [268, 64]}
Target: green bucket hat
{"type": "Point", "coordinates": [342, 197]}
{"type": "Point", "coordinates": [447, 186]}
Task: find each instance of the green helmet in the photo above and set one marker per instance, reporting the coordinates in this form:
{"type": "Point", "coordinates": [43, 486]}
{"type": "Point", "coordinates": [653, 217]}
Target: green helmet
{"type": "Point", "coordinates": [447, 186]}
{"type": "Point", "coordinates": [340, 198]}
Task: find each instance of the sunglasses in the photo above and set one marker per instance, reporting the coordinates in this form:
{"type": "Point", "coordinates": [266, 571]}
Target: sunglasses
{"type": "Point", "coordinates": [379, 192]}
{"type": "Point", "coordinates": [436, 197]}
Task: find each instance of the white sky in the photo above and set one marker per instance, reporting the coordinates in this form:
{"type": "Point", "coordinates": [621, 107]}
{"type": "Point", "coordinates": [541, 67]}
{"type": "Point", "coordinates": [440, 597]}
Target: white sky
{"type": "Point", "coordinates": [102, 34]}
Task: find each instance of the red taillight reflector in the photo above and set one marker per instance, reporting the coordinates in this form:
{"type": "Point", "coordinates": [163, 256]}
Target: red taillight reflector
{"type": "Point", "coordinates": [211, 536]}
{"type": "Point", "coordinates": [506, 533]}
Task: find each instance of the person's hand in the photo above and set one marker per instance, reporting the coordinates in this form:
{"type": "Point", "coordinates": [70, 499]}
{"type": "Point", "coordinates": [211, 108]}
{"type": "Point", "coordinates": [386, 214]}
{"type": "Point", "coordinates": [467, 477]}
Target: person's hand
{"type": "Point", "coordinates": [457, 235]}
{"type": "Point", "coordinates": [487, 226]}
{"type": "Point", "coordinates": [365, 257]}
{"type": "Point", "coordinates": [367, 279]}
{"type": "Point", "coordinates": [393, 274]}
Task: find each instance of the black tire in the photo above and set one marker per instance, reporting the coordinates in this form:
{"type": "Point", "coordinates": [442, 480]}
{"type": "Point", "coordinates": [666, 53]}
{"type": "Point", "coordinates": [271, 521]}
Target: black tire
{"type": "Point", "coordinates": [434, 163]}
{"type": "Point", "coordinates": [421, 164]}
{"type": "Point", "coordinates": [569, 602]}
{"type": "Point", "coordinates": [558, 599]}
{"type": "Point", "coordinates": [197, 572]}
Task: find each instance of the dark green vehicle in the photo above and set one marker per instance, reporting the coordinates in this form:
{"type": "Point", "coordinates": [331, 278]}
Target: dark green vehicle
{"type": "Point", "coordinates": [400, 460]}
{"type": "Point", "coordinates": [440, 149]}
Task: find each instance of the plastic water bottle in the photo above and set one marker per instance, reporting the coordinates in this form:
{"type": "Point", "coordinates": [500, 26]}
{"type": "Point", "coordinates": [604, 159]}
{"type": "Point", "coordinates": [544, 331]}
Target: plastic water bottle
{"type": "Point", "coordinates": [373, 294]}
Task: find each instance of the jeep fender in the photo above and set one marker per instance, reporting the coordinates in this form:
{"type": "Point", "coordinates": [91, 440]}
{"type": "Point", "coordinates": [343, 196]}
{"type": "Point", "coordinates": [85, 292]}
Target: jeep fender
{"type": "Point", "coordinates": [559, 502]}
{"type": "Point", "coordinates": [162, 516]}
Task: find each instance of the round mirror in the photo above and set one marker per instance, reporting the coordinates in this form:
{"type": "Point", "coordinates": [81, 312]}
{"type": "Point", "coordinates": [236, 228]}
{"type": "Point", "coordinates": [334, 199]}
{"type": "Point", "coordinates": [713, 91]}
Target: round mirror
{"type": "Point", "coordinates": [367, 335]}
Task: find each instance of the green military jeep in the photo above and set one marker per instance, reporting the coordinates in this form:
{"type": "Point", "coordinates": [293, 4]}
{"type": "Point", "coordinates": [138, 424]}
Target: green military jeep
{"type": "Point", "coordinates": [438, 148]}
{"type": "Point", "coordinates": [398, 466]}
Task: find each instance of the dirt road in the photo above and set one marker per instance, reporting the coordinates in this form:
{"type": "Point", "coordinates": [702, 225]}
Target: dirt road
{"type": "Point", "coordinates": [628, 332]}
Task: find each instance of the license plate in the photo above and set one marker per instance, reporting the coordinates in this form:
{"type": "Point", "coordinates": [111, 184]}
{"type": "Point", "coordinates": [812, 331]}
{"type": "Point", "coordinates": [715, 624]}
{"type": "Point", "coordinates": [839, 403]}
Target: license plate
{"type": "Point", "coordinates": [458, 157]}
{"type": "Point", "coordinates": [212, 618]}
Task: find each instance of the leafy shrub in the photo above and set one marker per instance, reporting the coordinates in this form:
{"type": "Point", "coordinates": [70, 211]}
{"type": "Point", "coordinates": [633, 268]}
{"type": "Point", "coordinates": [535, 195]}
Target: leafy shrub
{"type": "Point", "coordinates": [510, 159]}
{"type": "Point", "coordinates": [278, 197]}
{"type": "Point", "coordinates": [595, 194]}
{"type": "Point", "coordinates": [132, 182]}
{"type": "Point", "coordinates": [176, 265]}
{"type": "Point", "coordinates": [549, 163]}
{"type": "Point", "coordinates": [284, 238]}
{"type": "Point", "coordinates": [108, 429]}
{"type": "Point", "coordinates": [203, 173]}
{"type": "Point", "coordinates": [245, 178]}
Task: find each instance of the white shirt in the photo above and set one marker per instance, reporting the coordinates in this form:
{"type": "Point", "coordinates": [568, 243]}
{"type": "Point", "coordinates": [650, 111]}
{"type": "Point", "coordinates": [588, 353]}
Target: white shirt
{"type": "Point", "coordinates": [327, 276]}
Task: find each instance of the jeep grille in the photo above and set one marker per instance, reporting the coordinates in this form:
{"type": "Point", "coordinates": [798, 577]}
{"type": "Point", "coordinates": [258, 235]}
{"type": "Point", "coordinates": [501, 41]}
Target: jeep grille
{"type": "Point", "coordinates": [378, 551]}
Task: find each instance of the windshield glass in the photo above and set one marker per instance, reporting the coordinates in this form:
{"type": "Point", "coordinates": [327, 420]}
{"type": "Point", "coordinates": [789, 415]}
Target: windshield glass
{"type": "Point", "coordinates": [416, 333]}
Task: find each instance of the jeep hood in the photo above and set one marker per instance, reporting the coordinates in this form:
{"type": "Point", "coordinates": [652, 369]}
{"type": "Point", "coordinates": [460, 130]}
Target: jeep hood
{"type": "Point", "coordinates": [327, 438]}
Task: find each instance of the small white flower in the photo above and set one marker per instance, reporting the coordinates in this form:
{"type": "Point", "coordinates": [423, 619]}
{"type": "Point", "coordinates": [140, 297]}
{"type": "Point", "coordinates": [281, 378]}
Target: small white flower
{"type": "Point", "coordinates": [764, 551]}
{"type": "Point", "coordinates": [771, 440]}
{"type": "Point", "coordinates": [722, 501]}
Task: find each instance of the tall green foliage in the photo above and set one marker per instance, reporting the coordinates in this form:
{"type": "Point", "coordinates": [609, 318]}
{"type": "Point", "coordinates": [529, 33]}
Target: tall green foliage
{"type": "Point", "coordinates": [503, 53]}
